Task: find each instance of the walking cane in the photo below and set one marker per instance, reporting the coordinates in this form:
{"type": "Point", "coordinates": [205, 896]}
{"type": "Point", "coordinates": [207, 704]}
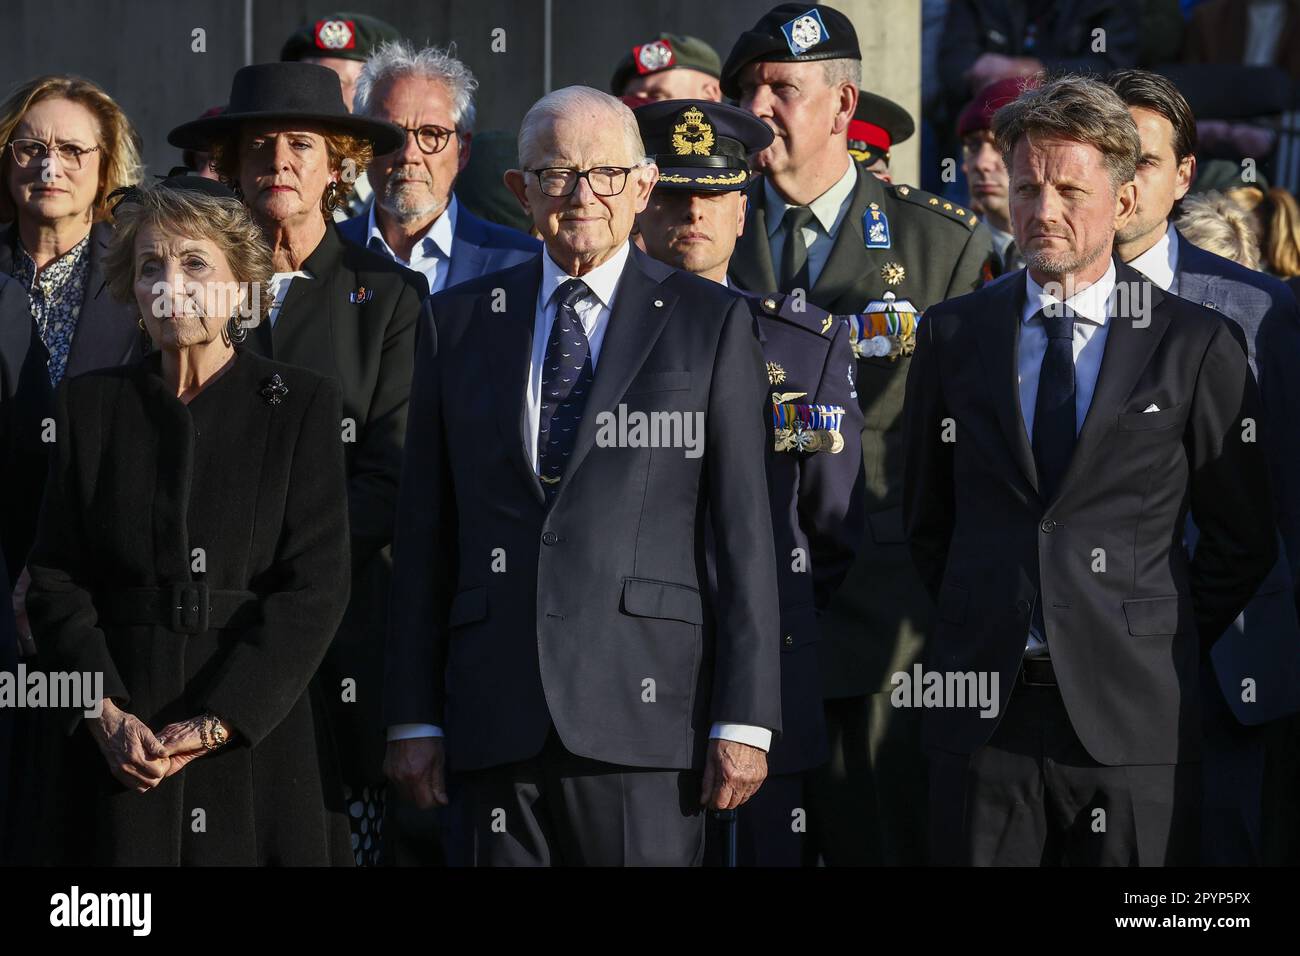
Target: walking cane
{"type": "Point", "coordinates": [728, 820]}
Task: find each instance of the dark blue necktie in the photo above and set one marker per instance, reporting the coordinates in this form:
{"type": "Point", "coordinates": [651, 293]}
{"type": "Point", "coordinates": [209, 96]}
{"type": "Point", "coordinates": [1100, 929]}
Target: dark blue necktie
{"type": "Point", "coordinates": [1054, 415]}
{"type": "Point", "coordinates": [566, 382]}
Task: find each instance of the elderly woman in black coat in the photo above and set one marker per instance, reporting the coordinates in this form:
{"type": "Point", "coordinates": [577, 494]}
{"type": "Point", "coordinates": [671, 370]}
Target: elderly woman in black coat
{"type": "Point", "coordinates": [193, 548]}
{"type": "Point", "coordinates": [288, 145]}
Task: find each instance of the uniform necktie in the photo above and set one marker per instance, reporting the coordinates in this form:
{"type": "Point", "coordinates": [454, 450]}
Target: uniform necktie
{"type": "Point", "coordinates": [566, 381]}
{"type": "Point", "coordinates": [794, 255]}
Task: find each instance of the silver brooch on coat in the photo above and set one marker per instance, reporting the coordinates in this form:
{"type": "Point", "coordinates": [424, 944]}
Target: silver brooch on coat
{"type": "Point", "coordinates": [274, 390]}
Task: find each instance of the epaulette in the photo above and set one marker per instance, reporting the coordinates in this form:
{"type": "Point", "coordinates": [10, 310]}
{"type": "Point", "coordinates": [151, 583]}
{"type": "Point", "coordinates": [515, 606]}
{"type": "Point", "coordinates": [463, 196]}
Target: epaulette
{"type": "Point", "coordinates": [811, 317]}
{"type": "Point", "coordinates": [944, 207]}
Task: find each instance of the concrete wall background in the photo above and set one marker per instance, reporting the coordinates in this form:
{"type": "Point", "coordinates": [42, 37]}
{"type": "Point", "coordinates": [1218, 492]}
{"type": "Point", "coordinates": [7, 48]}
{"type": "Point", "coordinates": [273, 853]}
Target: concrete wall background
{"type": "Point", "coordinates": [140, 50]}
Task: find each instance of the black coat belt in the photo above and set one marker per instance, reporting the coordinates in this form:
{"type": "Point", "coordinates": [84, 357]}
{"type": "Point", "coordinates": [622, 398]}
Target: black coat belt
{"type": "Point", "coordinates": [185, 607]}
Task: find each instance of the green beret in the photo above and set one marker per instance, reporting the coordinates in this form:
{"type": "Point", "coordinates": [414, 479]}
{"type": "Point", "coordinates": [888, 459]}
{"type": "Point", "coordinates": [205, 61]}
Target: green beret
{"type": "Point", "coordinates": [668, 51]}
{"type": "Point", "coordinates": [347, 36]}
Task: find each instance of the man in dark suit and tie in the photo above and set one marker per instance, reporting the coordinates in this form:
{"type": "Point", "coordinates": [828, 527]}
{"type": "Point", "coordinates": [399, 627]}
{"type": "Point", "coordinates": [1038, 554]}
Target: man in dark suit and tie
{"type": "Point", "coordinates": [1060, 424]}
{"type": "Point", "coordinates": [580, 423]}
{"type": "Point", "coordinates": [1254, 679]}
{"type": "Point", "coordinates": [415, 217]}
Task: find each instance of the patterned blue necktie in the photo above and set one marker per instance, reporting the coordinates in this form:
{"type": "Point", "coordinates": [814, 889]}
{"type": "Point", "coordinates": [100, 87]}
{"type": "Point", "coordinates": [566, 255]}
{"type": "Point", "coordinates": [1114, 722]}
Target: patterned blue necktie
{"type": "Point", "coordinates": [566, 382]}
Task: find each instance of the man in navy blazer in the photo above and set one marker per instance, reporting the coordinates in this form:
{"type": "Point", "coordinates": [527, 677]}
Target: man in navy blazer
{"type": "Point", "coordinates": [415, 217]}
{"type": "Point", "coordinates": [580, 423]}
{"type": "Point", "coordinates": [1256, 664]}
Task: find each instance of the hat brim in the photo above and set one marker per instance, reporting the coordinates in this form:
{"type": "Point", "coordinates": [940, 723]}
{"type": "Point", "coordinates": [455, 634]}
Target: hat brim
{"type": "Point", "coordinates": [701, 179]}
{"type": "Point", "coordinates": [201, 133]}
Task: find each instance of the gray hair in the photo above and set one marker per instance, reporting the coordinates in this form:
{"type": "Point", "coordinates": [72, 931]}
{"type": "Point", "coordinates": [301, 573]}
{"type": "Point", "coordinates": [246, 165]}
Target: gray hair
{"type": "Point", "coordinates": [575, 99]}
{"type": "Point", "coordinates": [1076, 108]}
{"type": "Point", "coordinates": [844, 70]}
{"type": "Point", "coordinates": [399, 58]}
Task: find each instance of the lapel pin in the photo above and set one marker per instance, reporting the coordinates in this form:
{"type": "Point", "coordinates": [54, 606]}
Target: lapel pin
{"type": "Point", "coordinates": [274, 390]}
{"type": "Point", "coordinates": [659, 303]}
{"type": "Point", "coordinates": [362, 294]}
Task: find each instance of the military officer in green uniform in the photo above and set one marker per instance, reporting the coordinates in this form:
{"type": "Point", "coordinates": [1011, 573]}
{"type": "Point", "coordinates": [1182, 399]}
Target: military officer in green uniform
{"type": "Point", "coordinates": [877, 254]}
{"type": "Point", "coordinates": [814, 464]}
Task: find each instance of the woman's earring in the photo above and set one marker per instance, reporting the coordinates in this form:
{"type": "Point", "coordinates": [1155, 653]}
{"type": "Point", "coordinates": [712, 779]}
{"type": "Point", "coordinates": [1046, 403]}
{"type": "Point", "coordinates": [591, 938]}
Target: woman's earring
{"type": "Point", "coordinates": [140, 322]}
{"type": "Point", "coordinates": [234, 330]}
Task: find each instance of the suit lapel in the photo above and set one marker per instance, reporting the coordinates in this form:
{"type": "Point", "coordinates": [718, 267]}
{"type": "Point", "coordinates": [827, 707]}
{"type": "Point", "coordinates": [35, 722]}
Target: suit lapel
{"type": "Point", "coordinates": [467, 253]}
{"type": "Point", "coordinates": [1128, 350]}
{"type": "Point", "coordinates": [999, 346]}
{"type": "Point", "coordinates": [304, 329]}
{"type": "Point", "coordinates": [511, 351]}
{"type": "Point", "coordinates": [641, 307]}
{"type": "Point", "coordinates": [751, 265]}
{"type": "Point", "coordinates": [103, 338]}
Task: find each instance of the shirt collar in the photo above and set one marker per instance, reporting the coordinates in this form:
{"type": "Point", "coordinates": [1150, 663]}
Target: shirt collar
{"type": "Point", "coordinates": [1160, 262]}
{"type": "Point", "coordinates": [601, 280]}
{"type": "Point", "coordinates": [55, 273]}
{"type": "Point", "coordinates": [1001, 240]}
{"type": "Point", "coordinates": [825, 208]}
{"type": "Point", "coordinates": [437, 238]}
{"type": "Point", "coordinates": [1092, 303]}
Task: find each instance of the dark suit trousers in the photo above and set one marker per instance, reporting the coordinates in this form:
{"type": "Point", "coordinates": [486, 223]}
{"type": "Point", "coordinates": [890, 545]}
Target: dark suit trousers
{"type": "Point", "coordinates": [559, 809]}
{"type": "Point", "coordinates": [1232, 775]}
{"type": "Point", "coordinates": [1033, 796]}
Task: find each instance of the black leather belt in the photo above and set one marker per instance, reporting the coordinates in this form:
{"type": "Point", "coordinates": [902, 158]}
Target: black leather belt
{"type": "Point", "coordinates": [1037, 672]}
{"type": "Point", "coordinates": [186, 607]}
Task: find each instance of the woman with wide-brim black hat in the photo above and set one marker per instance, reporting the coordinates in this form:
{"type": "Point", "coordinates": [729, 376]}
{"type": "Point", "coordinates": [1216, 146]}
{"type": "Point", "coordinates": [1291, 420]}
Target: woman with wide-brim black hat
{"type": "Point", "coordinates": [287, 144]}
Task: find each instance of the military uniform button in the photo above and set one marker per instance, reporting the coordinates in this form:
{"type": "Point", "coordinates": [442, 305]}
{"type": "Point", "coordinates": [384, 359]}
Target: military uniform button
{"type": "Point", "coordinates": [1048, 526]}
{"type": "Point", "coordinates": [550, 537]}
{"type": "Point", "coordinates": [789, 640]}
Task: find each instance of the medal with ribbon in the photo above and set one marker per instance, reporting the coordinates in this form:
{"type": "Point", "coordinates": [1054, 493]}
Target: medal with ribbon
{"type": "Point", "coordinates": [806, 428]}
{"type": "Point", "coordinates": [887, 329]}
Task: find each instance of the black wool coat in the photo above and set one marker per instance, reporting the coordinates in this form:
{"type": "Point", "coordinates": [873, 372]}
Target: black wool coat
{"type": "Point", "coordinates": [354, 321]}
{"type": "Point", "coordinates": [138, 481]}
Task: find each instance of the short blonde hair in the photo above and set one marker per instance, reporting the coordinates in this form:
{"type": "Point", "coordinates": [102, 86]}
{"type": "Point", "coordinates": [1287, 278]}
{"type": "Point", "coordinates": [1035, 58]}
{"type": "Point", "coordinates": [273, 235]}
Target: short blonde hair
{"type": "Point", "coordinates": [340, 147]}
{"type": "Point", "coordinates": [1275, 216]}
{"type": "Point", "coordinates": [1217, 224]}
{"type": "Point", "coordinates": [1076, 108]}
{"type": "Point", "coordinates": [119, 143]}
{"type": "Point", "coordinates": [196, 215]}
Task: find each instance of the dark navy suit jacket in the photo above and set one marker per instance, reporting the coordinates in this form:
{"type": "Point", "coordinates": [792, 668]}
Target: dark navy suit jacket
{"type": "Point", "coordinates": [478, 247]}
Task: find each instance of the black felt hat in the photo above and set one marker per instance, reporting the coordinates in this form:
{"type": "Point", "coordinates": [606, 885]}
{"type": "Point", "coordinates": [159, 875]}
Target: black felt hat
{"type": "Point", "coordinates": [291, 92]}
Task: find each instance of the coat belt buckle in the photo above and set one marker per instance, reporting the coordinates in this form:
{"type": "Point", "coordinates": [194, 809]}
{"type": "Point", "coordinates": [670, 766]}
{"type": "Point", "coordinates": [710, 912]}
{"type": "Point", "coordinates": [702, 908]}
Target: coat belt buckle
{"type": "Point", "coordinates": [191, 607]}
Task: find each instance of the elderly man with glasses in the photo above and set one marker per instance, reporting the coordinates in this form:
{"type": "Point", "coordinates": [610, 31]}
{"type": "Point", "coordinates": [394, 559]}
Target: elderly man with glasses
{"type": "Point", "coordinates": [415, 217]}
{"type": "Point", "coordinates": [581, 425]}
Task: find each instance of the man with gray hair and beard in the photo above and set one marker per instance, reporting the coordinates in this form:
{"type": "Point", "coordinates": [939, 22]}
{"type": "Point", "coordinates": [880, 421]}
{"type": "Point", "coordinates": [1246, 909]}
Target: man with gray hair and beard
{"type": "Point", "coordinates": [554, 640]}
{"type": "Point", "coordinates": [415, 218]}
{"type": "Point", "coordinates": [1060, 423]}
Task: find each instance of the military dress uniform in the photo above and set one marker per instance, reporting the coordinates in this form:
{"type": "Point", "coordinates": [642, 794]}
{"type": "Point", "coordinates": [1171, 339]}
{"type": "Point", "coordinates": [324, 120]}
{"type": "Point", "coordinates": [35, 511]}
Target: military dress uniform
{"type": "Point", "coordinates": [813, 468]}
{"type": "Point", "coordinates": [896, 251]}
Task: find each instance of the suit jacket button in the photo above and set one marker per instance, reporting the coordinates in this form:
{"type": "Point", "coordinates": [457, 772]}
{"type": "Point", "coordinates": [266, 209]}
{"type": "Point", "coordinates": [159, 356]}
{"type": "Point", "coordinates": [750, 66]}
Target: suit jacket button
{"type": "Point", "coordinates": [1048, 526]}
{"type": "Point", "coordinates": [550, 537]}
{"type": "Point", "coordinates": [1022, 606]}
{"type": "Point", "coordinates": [789, 640]}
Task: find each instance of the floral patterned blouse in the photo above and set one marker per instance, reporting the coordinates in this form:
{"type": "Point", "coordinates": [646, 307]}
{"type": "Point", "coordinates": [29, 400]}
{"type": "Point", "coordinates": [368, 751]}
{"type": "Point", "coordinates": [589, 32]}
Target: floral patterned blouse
{"type": "Point", "coordinates": [56, 294]}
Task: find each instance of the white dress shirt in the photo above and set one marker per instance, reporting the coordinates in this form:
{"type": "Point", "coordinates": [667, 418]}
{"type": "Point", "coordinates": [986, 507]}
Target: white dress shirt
{"type": "Point", "coordinates": [431, 254]}
{"type": "Point", "coordinates": [828, 209]}
{"type": "Point", "coordinates": [279, 288]}
{"type": "Point", "coordinates": [1091, 308]}
{"type": "Point", "coordinates": [1160, 262]}
{"type": "Point", "coordinates": [594, 311]}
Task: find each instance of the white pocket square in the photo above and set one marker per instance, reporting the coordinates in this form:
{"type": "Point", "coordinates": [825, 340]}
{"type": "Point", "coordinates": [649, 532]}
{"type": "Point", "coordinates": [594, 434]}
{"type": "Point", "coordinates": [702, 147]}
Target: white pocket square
{"type": "Point", "coordinates": [1153, 407]}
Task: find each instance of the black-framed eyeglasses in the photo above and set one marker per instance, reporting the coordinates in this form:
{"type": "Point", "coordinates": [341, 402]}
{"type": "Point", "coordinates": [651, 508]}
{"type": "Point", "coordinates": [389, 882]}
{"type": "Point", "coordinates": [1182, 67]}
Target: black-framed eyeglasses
{"type": "Point", "coordinates": [560, 181]}
{"type": "Point", "coordinates": [431, 139]}
{"type": "Point", "coordinates": [29, 151]}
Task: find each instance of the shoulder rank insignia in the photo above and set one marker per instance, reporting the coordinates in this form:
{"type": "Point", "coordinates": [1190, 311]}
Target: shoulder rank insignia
{"type": "Point", "coordinates": [806, 428]}
{"type": "Point", "coordinates": [775, 374]}
{"type": "Point", "coordinates": [948, 209]}
{"type": "Point", "coordinates": [875, 228]}
{"type": "Point", "coordinates": [804, 32]}
{"type": "Point", "coordinates": [887, 329]}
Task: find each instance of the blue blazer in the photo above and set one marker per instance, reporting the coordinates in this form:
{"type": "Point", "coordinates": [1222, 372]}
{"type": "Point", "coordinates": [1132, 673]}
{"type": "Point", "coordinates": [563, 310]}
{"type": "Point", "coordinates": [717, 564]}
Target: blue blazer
{"type": "Point", "coordinates": [1264, 642]}
{"type": "Point", "coordinates": [477, 248]}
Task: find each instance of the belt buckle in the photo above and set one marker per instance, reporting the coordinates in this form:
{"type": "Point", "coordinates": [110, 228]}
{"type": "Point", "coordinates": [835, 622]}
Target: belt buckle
{"type": "Point", "coordinates": [190, 607]}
